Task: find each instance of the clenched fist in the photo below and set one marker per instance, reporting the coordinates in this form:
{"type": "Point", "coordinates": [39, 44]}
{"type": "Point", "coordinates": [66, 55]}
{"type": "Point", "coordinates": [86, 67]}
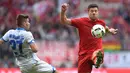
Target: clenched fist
{"type": "Point", "coordinates": [64, 7]}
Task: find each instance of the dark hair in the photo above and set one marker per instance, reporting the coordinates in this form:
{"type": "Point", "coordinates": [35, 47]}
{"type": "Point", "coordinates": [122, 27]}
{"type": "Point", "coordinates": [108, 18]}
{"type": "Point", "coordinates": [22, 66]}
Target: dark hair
{"type": "Point", "coordinates": [92, 6]}
{"type": "Point", "coordinates": [21, 18]}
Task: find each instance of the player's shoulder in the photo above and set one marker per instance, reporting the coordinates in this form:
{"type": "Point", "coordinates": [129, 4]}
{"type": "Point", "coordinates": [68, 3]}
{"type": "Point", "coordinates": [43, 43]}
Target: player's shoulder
{"type": "Point", "coordinates": [84, 18]}
{"type": "Point", "coordinates": [27, 33]}
{"type": "Point", "coordinates": [10, 31]}
{"type": "Point", "coordinates": [101, 20]}
{"type": "Point", "coordinates": [80, 18]}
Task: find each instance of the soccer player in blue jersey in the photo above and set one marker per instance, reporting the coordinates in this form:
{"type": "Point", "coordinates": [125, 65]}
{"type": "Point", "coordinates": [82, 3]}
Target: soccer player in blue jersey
{"type": "Point", "coordinates": [24, 48]}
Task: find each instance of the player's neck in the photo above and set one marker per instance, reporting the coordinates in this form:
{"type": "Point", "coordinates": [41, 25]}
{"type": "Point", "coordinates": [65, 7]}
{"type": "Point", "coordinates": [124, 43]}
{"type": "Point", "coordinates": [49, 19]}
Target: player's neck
{"type": "Point", "coordinates": [93, 19]}
{"type": "Point", "coordinates": [21, 27]}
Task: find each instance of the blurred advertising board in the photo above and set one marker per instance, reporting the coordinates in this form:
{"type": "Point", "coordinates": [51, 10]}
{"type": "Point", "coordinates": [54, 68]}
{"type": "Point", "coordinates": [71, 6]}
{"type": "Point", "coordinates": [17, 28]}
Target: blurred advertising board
{"type": "Point", "coordinates": [73, 70]}
{"type": "Point", "coordinates": [117, 59]}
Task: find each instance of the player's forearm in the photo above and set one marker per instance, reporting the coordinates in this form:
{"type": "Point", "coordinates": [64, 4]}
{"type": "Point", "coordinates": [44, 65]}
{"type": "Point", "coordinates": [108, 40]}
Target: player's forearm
{"type": "Point", "coordinates": [35, 51]}
{"type": "Point", "coordinates": [63, 18]}
{"type": "Point", "coordinates": [34, 47]}
{"type": "Point", "coordinates": [1, 41]}
{"type": "Point", "coordinates": [111, 30]}
{"type": "Point", "coordinates": [107, 29]}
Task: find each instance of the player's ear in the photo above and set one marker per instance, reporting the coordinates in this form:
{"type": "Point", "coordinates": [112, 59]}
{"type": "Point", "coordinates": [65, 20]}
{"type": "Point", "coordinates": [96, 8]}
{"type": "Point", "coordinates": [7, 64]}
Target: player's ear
{"type": "Point", "coordinates": [24, 24]}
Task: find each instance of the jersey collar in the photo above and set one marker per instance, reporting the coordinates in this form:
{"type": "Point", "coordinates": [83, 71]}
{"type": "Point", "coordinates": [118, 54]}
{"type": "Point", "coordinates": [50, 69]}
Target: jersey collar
{"type": "Point", "coordinates": [92, 21]}
{"type": "Point", "coordinates": [19, 28]}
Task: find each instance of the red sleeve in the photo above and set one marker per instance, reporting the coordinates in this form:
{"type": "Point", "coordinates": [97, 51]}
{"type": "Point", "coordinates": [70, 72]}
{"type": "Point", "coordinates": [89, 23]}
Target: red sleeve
{"type": "Point", "coordinates": [103, 23]}
{"type": "Point", "coordinates": [76, 22]}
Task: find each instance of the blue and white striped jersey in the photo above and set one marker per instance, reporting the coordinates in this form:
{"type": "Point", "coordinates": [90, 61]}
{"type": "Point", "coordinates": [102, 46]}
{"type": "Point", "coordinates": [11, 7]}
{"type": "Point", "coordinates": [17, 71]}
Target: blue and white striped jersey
{"type": "Point", "coordinates": [20, 40]}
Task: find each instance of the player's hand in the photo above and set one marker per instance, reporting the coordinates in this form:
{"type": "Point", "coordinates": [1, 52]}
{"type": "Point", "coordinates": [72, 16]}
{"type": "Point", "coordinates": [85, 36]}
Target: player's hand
{"type": "Point", "coordinates": [64, 7]}
{"type": "Point", "coordinates": [113, 31]}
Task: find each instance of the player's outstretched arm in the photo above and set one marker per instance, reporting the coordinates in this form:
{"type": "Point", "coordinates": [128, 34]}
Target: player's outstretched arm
{"type": "Point", "coordinates": [1, 41]}
{"type": "Point", "coordinates": [63, 17]}
{"type": "Point", "coordinates": [111, 30]}
{"type": "Point", "coordinates": [34, 47]}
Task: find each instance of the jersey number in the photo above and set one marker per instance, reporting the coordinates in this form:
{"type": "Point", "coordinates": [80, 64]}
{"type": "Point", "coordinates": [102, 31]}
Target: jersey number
{"type": "Point", "coordinates": [17, 47]}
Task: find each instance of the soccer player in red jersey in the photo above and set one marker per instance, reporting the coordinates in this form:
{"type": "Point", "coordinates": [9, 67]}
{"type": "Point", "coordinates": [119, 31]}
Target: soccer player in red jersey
{"type": "Point", "coordinates": [90, 48]}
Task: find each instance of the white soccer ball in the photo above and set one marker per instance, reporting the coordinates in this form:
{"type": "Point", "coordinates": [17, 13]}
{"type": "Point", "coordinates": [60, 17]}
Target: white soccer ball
{"type": "Point", "coordinates": [98, 31]}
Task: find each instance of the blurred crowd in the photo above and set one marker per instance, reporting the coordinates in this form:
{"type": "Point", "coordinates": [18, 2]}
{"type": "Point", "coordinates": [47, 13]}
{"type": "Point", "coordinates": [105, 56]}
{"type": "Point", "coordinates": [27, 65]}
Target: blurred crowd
{"type": "Point", "coordinates": [45, 25]}
{"type": "Point", "coordinates": [121, 21]}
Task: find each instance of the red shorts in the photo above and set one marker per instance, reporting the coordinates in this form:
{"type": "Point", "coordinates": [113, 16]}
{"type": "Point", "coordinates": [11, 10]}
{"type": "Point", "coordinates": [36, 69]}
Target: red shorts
{"type": "Point", "coordinates": [85, 63]}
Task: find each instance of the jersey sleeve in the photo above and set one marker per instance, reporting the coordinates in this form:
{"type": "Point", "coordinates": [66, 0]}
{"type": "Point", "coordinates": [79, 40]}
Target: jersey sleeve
{"type": "Point", "coordinates": [76, 22]}
{"type": "Point", "coordinates": [103, 23]}
{"type": "Point", "coordinates": [30, 38]}
{"type": "Point", "coordinates": [5, 38]}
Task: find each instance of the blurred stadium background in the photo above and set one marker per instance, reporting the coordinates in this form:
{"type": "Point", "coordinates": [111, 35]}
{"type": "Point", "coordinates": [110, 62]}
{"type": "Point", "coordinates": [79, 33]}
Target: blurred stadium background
{"type": "Point", "coordinates": [58, 44]}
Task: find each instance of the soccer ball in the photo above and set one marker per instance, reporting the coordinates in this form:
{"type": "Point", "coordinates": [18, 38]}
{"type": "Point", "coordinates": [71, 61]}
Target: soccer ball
{"type": "Point", "coordinates": [98, 31]}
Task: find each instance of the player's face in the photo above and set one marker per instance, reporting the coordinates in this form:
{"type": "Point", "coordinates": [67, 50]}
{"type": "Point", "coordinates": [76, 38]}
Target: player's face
{"type": "Point", "coordinates": [27, 24]}
{"type": "Point", "coordinates": [93, 13]}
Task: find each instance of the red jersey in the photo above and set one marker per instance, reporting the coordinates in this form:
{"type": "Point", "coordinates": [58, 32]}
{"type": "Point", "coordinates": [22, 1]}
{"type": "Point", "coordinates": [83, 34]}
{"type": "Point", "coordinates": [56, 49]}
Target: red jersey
{"type": "Point", "coordinates": [87, 43]}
